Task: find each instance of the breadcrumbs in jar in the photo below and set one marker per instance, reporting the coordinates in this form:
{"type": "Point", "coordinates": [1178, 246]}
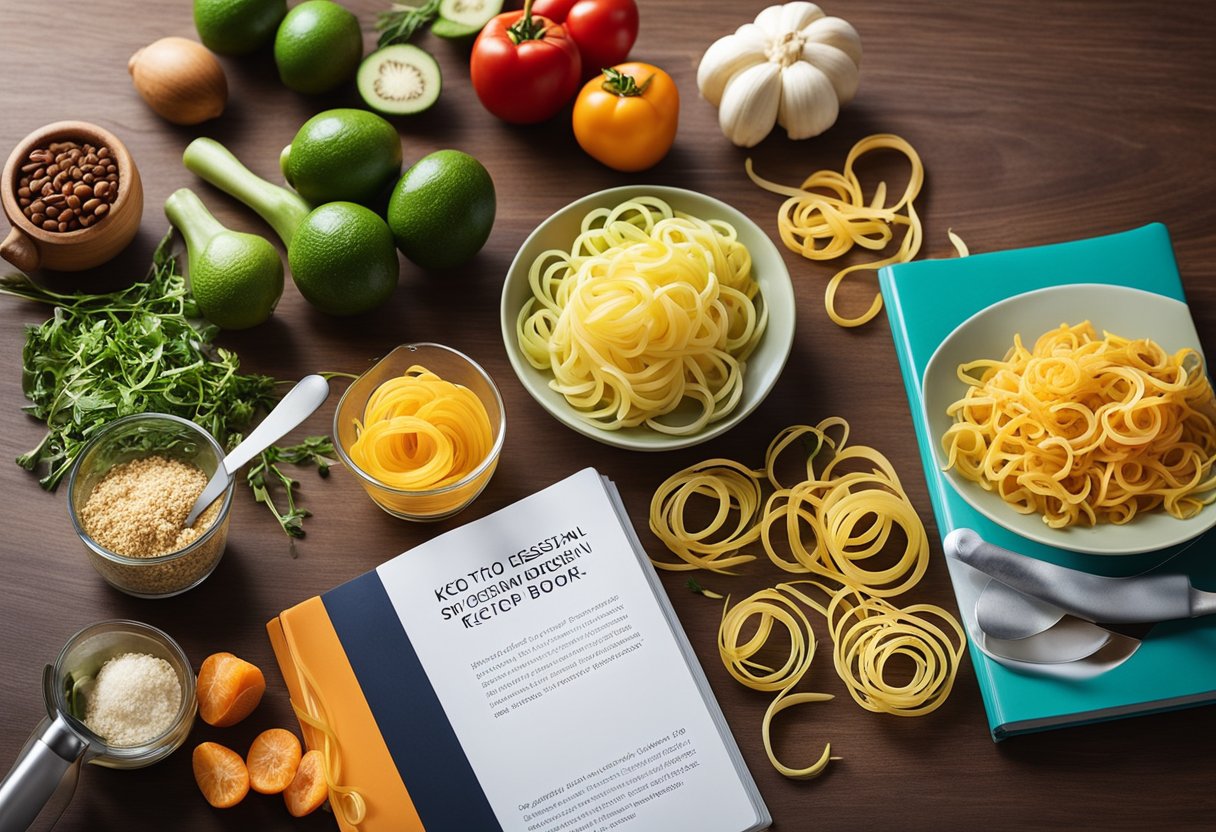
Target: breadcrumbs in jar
{"type": "Point", "coordinates": [139, 508]}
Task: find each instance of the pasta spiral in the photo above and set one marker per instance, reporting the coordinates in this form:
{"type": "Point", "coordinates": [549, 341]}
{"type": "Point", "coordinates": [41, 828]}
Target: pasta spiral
{"type": "Point", "coordinates": [1085, 430]}
{"type": "Point", "coordinates": [652, 313]}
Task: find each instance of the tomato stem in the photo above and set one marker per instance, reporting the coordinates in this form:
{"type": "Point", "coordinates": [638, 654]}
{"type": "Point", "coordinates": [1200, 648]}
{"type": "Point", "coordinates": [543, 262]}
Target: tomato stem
{"type": "Point", "coordinates": [526, 28]}
{"type": "Point", "coordinates": [618, 83]}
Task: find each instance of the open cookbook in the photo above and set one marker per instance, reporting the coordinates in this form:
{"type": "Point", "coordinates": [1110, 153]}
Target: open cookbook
{"type": "Point", "coordinates": [522, 672]}
{"type": "Point", "coordinates": [1165, 666]}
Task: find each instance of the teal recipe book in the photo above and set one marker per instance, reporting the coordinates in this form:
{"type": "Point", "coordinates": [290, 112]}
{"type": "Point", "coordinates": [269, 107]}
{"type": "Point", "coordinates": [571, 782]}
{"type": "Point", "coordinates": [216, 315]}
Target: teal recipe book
{"type": "Point", "coordinates": [1175, 663]}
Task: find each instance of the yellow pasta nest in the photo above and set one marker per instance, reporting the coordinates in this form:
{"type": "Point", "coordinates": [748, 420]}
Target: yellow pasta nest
{"type": "Point", "coordinates": [1085, 430]}
{"type": "Point", "coordinates": [652, 313]}
{"type": "Point", "coordinates": [420, 432]}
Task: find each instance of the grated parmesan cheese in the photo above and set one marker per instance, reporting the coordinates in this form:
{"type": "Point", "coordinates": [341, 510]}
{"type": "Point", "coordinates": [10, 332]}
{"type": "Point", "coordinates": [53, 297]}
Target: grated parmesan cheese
{"type": "Point", "coordinates": [135, 699]}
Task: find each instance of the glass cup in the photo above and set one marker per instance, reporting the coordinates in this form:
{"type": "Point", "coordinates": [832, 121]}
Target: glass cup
{"type": "Point", "coordinates": [450, 365]}
{"type": "Point", "coordinates": [43, 778]}
{"type": "Point", "coordinates": [134, 437]}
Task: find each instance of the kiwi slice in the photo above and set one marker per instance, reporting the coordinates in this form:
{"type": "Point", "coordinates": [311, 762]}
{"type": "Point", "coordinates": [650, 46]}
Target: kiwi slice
{"type": "Point", "coordinates": [463, 18]}
{"type": "Point", "coordinates": [399, 80]}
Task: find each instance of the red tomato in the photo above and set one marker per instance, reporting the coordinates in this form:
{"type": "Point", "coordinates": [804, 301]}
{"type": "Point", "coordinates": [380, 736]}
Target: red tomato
{"type": "Point", "coordinates": [524, 67]}
{"type": "Point", "coordinates": [603, 29]}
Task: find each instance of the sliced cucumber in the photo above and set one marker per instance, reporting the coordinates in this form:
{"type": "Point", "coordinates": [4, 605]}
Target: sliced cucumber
{"type": "Point", "coordinates": [399, 80]}
{"type": "Point", "coordinates": [463, 18]}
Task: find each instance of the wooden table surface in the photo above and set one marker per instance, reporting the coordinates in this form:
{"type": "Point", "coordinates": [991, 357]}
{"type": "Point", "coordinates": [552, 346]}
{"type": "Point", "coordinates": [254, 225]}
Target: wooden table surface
{"type": "Point", "coordinates": [1037, 122]}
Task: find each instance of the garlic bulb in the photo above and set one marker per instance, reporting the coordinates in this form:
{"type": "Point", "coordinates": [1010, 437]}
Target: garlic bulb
{"type": "Point", "coordinates": [792, 66]}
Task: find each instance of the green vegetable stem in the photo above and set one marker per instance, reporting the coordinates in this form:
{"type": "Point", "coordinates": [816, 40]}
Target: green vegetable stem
{"type": "Point", "coordinates": [236, 278]}
{"type": "Point", "coordinates": [214, 163]}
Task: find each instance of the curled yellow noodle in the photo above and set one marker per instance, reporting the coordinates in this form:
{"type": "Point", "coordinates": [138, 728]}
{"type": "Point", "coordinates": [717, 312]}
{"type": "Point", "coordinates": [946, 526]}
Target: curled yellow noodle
{"type": "Point", "coordinates": [827, 215]}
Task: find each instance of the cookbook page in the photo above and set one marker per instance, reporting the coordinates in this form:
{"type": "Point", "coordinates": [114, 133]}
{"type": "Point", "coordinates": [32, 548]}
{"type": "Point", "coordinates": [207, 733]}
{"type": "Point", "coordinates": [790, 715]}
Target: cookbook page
{"type": "Point", "coordinates": [560, 676]}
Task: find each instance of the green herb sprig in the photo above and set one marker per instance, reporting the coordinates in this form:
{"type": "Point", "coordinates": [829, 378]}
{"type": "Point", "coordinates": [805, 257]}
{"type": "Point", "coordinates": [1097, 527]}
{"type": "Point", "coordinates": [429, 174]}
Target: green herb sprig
{"type": "Point", "coordinates": [264, 474]}
{"type": "Point", "coordinates": [401, 21]}
{"type": "Point", "coordinates": [143, 348]}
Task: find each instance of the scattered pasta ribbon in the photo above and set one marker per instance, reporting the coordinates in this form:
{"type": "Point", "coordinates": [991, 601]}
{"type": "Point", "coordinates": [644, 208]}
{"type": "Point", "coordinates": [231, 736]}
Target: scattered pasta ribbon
{"type": "Point", "coordinates": [960, 245]}
{"type": "Point", "coordinates": [421, 433]}
{"type": "Point", "coordinates": [736, 490]}
{"type": "Point", "coordinates": [1085, 430]}
{"type": "Point", "coordinates": [346, 800]}
{"type": "Point", "coordinates": [829, 524]}
{"type": "Point", "coordinates": [770, 608]}
{"type": "Point", "coordinates": [870, 635]}
{"type": "Point", "coordinates": [651, 314]}
{"type": "Point", "coordinates": [827, 215]}
{"type": "Point", "coordinates": [848, 507]}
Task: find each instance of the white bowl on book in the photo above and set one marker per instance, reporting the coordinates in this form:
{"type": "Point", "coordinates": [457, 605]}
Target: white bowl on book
{"type": "Point", "coordinates": [763, 366]}
{"type": "Point", "coordinates": [1130, 313]}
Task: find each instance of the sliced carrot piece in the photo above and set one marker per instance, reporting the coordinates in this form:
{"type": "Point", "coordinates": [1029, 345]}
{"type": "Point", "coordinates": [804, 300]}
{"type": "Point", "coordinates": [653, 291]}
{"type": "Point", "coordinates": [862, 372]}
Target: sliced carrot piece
{"type": "Point", "coordinates": [221, 774]}
{"type": "Point", "coordinates": [228, 689]}
{"type": "Point", "coordinates": [272, 760]}
{"type": "Point", "coordinates": [307, 790]}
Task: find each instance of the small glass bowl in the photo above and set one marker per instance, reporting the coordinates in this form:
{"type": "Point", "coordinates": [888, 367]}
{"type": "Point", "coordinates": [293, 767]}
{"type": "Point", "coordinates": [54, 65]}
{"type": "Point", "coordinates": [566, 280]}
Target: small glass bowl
{"type": "Point", "coordinates": [450, 365]}
{"type": "Point", "coordinates": [86, 652]}
{"type": "Point", "coordinates": [134, 437]}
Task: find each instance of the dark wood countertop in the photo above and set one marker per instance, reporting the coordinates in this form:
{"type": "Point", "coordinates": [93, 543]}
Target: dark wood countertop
{"type": "Point", "coordinates": [1038, 122]}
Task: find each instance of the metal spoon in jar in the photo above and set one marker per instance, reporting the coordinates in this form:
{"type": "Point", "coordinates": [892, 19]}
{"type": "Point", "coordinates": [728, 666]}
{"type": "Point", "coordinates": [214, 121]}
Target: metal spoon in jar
{"type": "Point", "coordinates": [292, 409]}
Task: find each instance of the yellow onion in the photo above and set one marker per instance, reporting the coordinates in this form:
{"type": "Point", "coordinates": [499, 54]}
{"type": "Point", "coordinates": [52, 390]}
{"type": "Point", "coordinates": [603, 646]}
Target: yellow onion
{"type": "Point", "coordinates": [180, 80]}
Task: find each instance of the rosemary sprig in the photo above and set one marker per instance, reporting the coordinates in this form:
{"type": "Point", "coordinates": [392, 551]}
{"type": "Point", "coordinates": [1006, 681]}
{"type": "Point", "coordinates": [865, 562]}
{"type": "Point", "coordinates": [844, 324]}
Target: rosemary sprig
{"type": "Point", "coordinates": [401, 21]}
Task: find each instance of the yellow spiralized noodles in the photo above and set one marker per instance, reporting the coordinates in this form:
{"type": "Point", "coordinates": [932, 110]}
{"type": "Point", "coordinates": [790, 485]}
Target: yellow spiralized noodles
{"type": "Point", "coordinates": [714, 545]}
{"type": "Point", "coordinates": [652, 313]}
{"type": "Point", "coordinates": [769, 608]}
{"type": "Point", "coordinates": [1085, 430]}
{"type": "Point", "coordinates": [843, 512]}
{"type": "Point", "coordinates": [420, 432]}
{"type": "Point", "coordinates": [827, 215]}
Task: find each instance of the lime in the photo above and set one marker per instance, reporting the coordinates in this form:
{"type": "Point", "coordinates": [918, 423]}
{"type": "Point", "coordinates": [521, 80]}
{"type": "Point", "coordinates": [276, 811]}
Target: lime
{"type": "Point", "coordinates": [237, 27]}
{"type": "Point", "coordinates": [318, 46]}
{"type": "Point", "coordinates": [236, 280]}
{"type": "Point", "coordinates": [442, 210]}
{"type": "Point", "coordinates": [342, 259]}
{"type": "Point", "coordinates": [343, 155]}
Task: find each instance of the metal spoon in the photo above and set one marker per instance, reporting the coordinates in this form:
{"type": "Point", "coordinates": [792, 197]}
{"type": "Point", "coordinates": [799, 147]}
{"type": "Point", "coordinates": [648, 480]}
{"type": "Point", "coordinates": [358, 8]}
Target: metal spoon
{"type": "Point", "coordinates": [292, 409]}
{"type": "Point", "coordinates": [1004, 613]}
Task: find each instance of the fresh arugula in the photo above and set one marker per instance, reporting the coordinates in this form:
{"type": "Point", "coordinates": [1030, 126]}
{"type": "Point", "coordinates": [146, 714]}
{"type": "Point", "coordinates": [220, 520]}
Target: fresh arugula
{"type": "Point", "coordinates": [143, 348]}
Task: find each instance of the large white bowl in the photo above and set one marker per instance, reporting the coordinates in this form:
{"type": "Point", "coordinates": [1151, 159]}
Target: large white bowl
{"type": "Point", "coordinates": [1131, 313]}
{"type": "Point", "coordinates": [763, 366]}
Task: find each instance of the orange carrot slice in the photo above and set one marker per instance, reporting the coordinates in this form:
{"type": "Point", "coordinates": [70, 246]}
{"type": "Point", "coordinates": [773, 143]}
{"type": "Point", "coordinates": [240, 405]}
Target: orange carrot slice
{"type": "Point", "coordinates": [307, 790]}
{"type": "Point", "coordinates": [221, 774]}
{"type": "Point", "coordinates": [272, 760]}
{"type": "Point", "coordinates": [228, 688]}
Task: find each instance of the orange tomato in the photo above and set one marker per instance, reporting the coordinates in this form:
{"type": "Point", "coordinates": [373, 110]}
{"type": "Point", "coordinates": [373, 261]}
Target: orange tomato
{"type": "Point", "coordinates": [626, 117]}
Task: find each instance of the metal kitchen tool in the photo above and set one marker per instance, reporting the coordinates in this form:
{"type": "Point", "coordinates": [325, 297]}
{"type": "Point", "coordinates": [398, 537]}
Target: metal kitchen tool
{"type": "Point", "coordinates": [1004, 613]}
{"type": "Point", "coordinates": [1097, 598]}
{"type": "Point", "coordinates": [44, 775]}
{"type": "Point", "coordinates": [299, 403]}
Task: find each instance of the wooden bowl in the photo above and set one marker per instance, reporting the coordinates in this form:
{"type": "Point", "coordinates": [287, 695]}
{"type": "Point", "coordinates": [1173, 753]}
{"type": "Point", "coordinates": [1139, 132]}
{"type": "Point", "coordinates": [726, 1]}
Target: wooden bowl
{"type": "Point", "coordinates": [30, 248]}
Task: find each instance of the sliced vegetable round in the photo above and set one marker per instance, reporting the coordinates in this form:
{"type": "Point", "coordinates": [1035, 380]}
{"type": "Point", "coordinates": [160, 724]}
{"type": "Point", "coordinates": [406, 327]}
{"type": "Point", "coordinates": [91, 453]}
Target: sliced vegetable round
{"type": "Point", "coordinates": [399, 80]}
{"type": "Point", "coordinates": [463, 18]}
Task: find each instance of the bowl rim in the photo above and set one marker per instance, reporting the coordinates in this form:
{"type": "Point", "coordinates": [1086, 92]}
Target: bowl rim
{"type": "Point", "coordinates": [155, 560]}
{"type": "Point", "coordinates": [57, 131]}
{"type": "Point", "coordinates": [490, 459]}
{"type": "Point", "coordinates": [657, 442]}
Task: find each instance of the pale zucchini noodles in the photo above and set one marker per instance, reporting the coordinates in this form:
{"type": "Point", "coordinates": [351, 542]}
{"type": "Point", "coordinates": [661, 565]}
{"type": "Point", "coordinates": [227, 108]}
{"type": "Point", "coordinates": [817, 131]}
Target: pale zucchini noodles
{"type": "Point", "coordinates": [652, 313]}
